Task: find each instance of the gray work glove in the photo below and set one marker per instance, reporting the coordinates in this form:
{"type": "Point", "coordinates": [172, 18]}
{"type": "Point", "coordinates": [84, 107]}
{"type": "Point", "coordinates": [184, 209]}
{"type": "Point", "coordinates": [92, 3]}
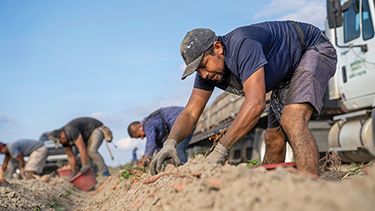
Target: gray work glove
{"type": "Point", "coordinates": [167, 152]}
{"type": "Point", "coordinates": [84, 169]}
{"type": "Point", "coordinates": [219, 155]}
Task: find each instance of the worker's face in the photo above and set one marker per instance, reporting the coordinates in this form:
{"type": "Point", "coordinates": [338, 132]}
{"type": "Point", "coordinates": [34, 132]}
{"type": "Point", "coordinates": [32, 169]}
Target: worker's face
{"type": "Point", "coordinates": [62, 138]}
{"type": "Point", "coordinates": [212, 66]}
{"type": "Point", "coordinates": [140, 133]}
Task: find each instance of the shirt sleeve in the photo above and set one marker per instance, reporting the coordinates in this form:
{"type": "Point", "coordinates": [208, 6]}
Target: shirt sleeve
{"type": "Point", "coordinates": [250, 58]}
{"type": "Point", "coordinates": [150, 140]}
{"type": "Point", "coordinates": [72, 134]}
{"type": "Point", "coordinates": [13, 150]}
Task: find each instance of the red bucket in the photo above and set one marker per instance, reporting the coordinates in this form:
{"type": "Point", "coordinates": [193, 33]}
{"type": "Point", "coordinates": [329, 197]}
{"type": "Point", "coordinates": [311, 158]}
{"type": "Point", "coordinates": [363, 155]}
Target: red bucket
{"type": "Point", "coordinates": [66, 172]}
{"type": "Point", "coordinates": [273, 166]}
{"type": "Point", "coordinates": [84, 182]}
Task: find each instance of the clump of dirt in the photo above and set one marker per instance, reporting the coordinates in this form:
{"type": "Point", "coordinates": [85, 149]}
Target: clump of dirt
{"type": "Point", "coordinates": [201, 186]}
{"type": "Point", "coordinates": [35, 194]}
{"type": "Point", "coordinates": [198, 185]}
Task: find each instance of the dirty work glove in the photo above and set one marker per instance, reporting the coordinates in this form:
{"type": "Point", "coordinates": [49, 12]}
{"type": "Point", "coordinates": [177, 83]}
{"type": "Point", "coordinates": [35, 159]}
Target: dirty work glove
{"type": "Point", "coordinates": [84, 169]}
{"type": "Point", "coordinates": [219, 155]}
{"type": "Point", "coordinates": [167, 152]}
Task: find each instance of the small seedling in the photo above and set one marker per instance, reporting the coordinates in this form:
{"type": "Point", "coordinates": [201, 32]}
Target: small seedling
{"type": "Point", "coordinates": [252, 162]}
{"type": "Point", "coordinates": [64, 195]}
{"type": "Point", "coordinates": [56, 203]}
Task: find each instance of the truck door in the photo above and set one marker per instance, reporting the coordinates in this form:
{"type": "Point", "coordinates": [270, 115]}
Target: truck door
{"type": "Point", "coordinates": [358, 66]}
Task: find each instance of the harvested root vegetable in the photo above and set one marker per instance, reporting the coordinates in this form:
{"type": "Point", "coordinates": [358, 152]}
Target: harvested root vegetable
{"type": "Point", "coordinates": [367, 170]}
{"type": "Point", "coordinates": [154, 178]}
{"type": "Point", "coordinates": [53, 183]}
{"type": "Point", "coordinates": [45, 178]}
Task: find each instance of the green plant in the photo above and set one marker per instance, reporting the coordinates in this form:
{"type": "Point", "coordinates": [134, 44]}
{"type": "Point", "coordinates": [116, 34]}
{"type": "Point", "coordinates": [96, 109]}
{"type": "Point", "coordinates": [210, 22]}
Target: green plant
{"type": "Point", "coordinates": [355, 169]}
{"type": "Point", "coordinates": [252, 162]}
{"type": "Point", "coordinates": [73, 188]}
{"type": "Point", "coordinates": [64, 195]}
{"type": "Point", "coordinates": [36, 208]}
{"type": "Point", "coordinates": [125, 174]}
{"type": "Point", "coordinates": [55, 203]}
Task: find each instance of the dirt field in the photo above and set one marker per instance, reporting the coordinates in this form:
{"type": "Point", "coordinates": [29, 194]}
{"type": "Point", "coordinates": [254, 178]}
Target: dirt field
{"type": "Point", "coordinates": [200, 186]}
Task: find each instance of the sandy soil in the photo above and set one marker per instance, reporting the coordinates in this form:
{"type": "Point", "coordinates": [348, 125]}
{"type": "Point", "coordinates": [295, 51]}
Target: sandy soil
{"type": "Point", "coordinates": [200, 186]}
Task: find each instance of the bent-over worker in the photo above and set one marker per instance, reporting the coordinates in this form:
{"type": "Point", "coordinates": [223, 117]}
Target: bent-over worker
{"type": "Point", "coordinates": [156, 128]}
{"type": "Point", "coordinates": [294, 60]}
{"type": "Point", "coordinates": [36, 151]}
{"type": "Point", "coordinates": [87, 135]}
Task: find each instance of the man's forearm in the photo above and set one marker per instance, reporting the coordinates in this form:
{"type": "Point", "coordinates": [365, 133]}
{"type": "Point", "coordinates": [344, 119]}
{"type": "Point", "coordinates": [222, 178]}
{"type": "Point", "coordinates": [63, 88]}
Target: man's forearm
{"type": "Point", "coordinates": [72, 163]}
{"type": "Point", "coordinates": [21, 164]}
{"type": "Point", "coordinates": [6, 161]}
{"type": "Point", "coordinates": [83, 154]}
{"type": "Point", "coordinates": [182, 127]}
{"type": "Point", "coordinates": [245, 120]}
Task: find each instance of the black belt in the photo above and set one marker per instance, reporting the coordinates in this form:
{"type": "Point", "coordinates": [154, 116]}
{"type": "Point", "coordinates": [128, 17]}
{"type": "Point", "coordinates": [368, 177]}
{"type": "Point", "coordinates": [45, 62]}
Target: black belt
{"type": "Point", "coordinates": [321, 40]}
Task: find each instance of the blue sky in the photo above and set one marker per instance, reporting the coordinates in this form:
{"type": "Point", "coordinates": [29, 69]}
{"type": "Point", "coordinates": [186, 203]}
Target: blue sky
{"type": "Point", "coordinates": [116, 61]}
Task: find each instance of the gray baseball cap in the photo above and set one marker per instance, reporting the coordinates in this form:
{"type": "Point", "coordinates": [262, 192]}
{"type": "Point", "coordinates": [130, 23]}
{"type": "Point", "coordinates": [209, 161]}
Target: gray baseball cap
{"type": "Point", "coordinates": [193, 46]}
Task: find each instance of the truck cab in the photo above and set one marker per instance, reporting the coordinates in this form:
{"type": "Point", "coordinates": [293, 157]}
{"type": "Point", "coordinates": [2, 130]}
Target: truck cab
{"type": "Point", "coordinates": [350, 27]}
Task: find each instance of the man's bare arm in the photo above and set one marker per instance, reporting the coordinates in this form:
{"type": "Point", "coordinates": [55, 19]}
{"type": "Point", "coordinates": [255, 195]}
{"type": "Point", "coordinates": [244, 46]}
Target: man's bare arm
{"type": "Point", "coordinates": [6, 161]}
{"type": "Point", "coordinates": [188, 118]}
{"type": "Point", "coordinates": [21, 161]}
{"type": "Point", "coordinates": [82, 149]}
{"type": "Point", "coordinates": [250, 111]}
{"type": "Point", "coordinates": [71, 159]}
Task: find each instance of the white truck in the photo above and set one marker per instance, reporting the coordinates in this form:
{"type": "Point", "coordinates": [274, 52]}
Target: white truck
{"type": "Point", "coordinates": [347, 124]}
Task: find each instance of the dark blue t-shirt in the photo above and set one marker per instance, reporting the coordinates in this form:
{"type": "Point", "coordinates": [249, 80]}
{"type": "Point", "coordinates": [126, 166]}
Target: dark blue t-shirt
{"type": "Point", "coordinates": [274, 45]}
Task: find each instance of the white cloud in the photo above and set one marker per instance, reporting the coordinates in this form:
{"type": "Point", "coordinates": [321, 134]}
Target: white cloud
{"type": "Point", "coordinates": [276, 7]}
{"type": "Point", "coordinates": [129, 143]}
{"type": "Point", "coordinates": [100, 115]}
{"type": "Point", "coordinates": [310, 11]}
{"type": "Point", "coordinates": [313, 12]}
{"type": "Point", "coordinates": [6, 120]}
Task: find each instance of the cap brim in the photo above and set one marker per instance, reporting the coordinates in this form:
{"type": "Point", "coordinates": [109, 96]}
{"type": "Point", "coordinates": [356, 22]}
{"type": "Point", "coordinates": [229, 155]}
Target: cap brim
{"type": "Point", "coordinates": [192, 67]}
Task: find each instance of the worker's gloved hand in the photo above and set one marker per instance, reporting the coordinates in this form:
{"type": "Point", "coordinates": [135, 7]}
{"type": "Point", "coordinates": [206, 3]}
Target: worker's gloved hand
{"type": "Point", "coordinates": [167, 152]}
{"type": "Point", "coordinates": [84, 169]}
{"type": "Point", "coordinates": [218, 155]}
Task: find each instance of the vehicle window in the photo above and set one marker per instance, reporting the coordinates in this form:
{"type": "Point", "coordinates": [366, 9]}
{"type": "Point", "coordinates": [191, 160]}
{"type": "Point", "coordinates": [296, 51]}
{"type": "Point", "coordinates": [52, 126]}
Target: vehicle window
{"type": "Point", "coordinates": [367, 27]}
{"type": "Point", "coordinates": [351, 22]}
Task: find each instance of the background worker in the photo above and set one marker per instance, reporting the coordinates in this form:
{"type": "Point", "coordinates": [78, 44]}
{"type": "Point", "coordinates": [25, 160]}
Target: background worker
{"type": "Point", "coordinates": [134, 156]}
{"type": "Point", "coordinates": [36, 151]}
{"type": "Point", "coordinates": [156, 128]}
{"type": "Point", "coordinates": [87, 135]}
{"type": "Point", "coordinates": [293, 60]}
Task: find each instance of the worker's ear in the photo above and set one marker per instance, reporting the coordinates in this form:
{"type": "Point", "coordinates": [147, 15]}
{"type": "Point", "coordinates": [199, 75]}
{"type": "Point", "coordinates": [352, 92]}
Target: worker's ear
{"type": "Point", "coordinates": [218, 48]}
{"type": "Point", "coordinates": [61, 134]}
{"type": "Point", "coordinates": [140, 127]}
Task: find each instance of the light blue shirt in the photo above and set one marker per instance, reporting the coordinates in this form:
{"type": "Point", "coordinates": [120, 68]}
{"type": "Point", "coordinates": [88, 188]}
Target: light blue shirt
{"type": "Point", "coordinates": [24, 146]}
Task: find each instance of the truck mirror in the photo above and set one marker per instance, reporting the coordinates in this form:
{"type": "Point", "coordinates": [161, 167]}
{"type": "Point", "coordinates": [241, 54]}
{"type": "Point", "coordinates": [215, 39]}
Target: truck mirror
{"type": "Point", "coordinates": [334, 13]}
